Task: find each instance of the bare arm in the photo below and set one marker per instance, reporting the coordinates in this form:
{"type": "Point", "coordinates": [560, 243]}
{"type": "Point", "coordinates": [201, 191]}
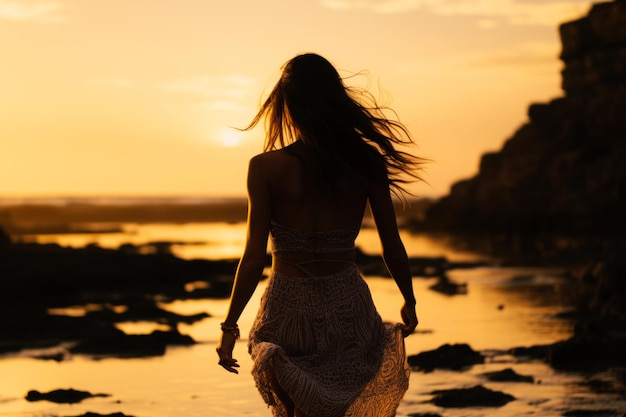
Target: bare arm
{"type": "Point", "coordinates": [252, 262]}
{"type": "Point", "coordinates": [394, 253]}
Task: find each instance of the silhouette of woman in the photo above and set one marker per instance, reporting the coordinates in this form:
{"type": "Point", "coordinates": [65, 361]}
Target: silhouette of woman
{"type": "Point", "coordinates": [319, 347]}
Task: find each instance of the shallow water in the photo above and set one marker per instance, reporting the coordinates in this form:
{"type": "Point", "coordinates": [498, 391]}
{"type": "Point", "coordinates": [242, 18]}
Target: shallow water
{"type": "Point", "coordinates": [504, 308]}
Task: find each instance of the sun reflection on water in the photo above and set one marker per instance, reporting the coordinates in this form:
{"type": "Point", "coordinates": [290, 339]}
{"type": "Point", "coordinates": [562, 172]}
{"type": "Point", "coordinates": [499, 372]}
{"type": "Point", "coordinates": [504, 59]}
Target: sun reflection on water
{"type": "Point", "coordinates": [503, 308]}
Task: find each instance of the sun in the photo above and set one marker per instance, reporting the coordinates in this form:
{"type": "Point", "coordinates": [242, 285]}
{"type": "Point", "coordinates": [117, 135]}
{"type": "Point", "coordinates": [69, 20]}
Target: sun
{"type": "Point", "coordinates": [229, 138]}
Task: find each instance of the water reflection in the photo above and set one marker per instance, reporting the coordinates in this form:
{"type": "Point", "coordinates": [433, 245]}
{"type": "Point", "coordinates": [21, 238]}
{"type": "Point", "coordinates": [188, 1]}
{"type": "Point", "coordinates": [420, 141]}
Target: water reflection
{"type": "Point", "coordinates": [503, 308]}
{"type": "Point", "coordinates": [227, 240]}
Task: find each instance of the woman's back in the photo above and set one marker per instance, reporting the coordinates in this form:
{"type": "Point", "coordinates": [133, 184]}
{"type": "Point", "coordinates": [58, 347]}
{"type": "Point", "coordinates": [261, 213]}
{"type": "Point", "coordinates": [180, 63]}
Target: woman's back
{"type": "Point", "coordinates": [301, 202]}
{"type": "Point", "coordinates": [313, 225]}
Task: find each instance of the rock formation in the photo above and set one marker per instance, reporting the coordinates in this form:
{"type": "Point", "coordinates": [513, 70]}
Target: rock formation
{"type": "Point", "coordinates": [564, 171]}
{"type": "Point", "coordinates": [556, 191]}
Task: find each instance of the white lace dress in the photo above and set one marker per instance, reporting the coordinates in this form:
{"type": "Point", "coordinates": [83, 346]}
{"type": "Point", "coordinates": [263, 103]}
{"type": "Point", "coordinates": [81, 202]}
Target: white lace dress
{"type": "Point", "coordinates": [323, 341]}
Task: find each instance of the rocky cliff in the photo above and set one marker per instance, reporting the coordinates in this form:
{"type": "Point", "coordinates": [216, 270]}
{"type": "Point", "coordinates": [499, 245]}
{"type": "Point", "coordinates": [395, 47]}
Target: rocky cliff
{"type": "Point", "coordinates": [564, 170]}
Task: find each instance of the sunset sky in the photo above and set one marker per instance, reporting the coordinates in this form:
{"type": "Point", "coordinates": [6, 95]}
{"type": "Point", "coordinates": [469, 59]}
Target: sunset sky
{"type": "Point", "coordinates": [136, 97]}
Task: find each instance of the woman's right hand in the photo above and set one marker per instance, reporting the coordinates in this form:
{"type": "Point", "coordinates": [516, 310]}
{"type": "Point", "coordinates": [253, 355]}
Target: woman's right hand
{"type": "Point", "coordinates": [409, 317]}
{"type": "Point", "coordinates": [225, 352]}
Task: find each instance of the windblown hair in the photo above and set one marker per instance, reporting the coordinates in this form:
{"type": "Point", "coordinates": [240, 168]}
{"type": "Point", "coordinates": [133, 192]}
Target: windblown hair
{"type": "Point", "coordinates": [348, 131]}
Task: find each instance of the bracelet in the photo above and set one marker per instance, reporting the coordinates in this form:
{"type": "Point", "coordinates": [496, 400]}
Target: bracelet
{"type": "Point", "coordinates": [230, 329]}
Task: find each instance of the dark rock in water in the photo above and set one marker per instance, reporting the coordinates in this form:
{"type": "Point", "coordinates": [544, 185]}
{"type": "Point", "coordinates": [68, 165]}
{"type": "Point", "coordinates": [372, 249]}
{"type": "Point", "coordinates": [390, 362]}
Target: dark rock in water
{"type": "Point", "coordinates": [593, 413]}
{"type": "Point", "coordinates": [90, 414]}
{"type": "Point", "coordinates": [423, 266]}
{"type": "Point", "coordinates": [134, 345]}
{"type": "Point", "coordinates": [477, 396]}
{"type": "Point", "coordinates": [531, 352]}
{"type": "Point", "coordinates": [54, 276]}
{"type": "Point", "coordinates": [601, 287]}
{"type": "Point", "coordinates": [447, 356]}
{"type": "Point", "coordinates": [130, 346]}
{"type": "Point", "coordinates": [448, 287]}
{"type": "Point", "coordinates": [172, 337]}
{"type": "Point", "coordinates": [424, 415]}
{"type": "Point", "coordinates": [142, 309]}
{"type": "Point", "coordinates": [588, 352]}
{"type": "Point", "coordinates": [597, 344]}
{"type": "Point", "coordinates": [36, 278]}
{"type": "Point", "coordinates": [66, 396]}
{"type": "Point", "coordinates": [611, 382]}
{"type": "Point", "coordinates": [507, 375]}
{"type": "Point", "coordinates": [429, 267]}
{"type": "Point", "coordinates": [57, 357]}
{"type": "Point", "coordinates": [11, 346]}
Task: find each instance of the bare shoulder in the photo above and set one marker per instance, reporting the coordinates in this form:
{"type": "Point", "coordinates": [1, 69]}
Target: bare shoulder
{"type": "Point", "coordinates": [269, 161]}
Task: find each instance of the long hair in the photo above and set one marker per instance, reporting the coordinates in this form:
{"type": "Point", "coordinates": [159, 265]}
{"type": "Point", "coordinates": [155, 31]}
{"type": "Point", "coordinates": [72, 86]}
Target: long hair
{"type": "Point", "coordinates": [348, 131]}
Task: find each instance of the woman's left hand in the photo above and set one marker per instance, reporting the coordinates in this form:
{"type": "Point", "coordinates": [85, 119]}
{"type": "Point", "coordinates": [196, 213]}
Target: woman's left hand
{"type": "Point", "coordinates": [409, 317]}
{"type": "Point", "coordinates": [225, 351]}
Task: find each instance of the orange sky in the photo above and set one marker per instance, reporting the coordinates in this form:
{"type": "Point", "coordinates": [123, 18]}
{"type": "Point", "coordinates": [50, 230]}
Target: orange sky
{"type": "Point", "coordinates": [135, 97]}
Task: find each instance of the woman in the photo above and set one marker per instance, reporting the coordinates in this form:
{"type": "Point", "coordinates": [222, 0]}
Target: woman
{"type": "Point", "coordinates": [318, 345]}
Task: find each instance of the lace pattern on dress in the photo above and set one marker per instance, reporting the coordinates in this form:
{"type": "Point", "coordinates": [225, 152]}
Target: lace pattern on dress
{"type": "Point", "coordinates": [324, 342]}
{"type": "Point", "coordinates": [288, 239]}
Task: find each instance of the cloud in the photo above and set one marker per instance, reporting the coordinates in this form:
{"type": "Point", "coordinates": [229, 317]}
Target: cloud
{"type": "Point", "coordinates": [514, 12]}
{"type": "Point", "coordinates": [378, 6]}
{"type": "Point", "coordinates": [225, 93]}
{"type": "Point", "coordinates": [25, 10]}
{"type": "Point", "coordinates": [527, 56]}
{"type": "Point", "coordinates": [221, 87]}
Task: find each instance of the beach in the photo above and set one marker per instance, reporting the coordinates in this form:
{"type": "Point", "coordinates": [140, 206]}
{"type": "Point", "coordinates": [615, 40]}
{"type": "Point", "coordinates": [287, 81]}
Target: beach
{"type": "Point", "coordinates": [496, 308]}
